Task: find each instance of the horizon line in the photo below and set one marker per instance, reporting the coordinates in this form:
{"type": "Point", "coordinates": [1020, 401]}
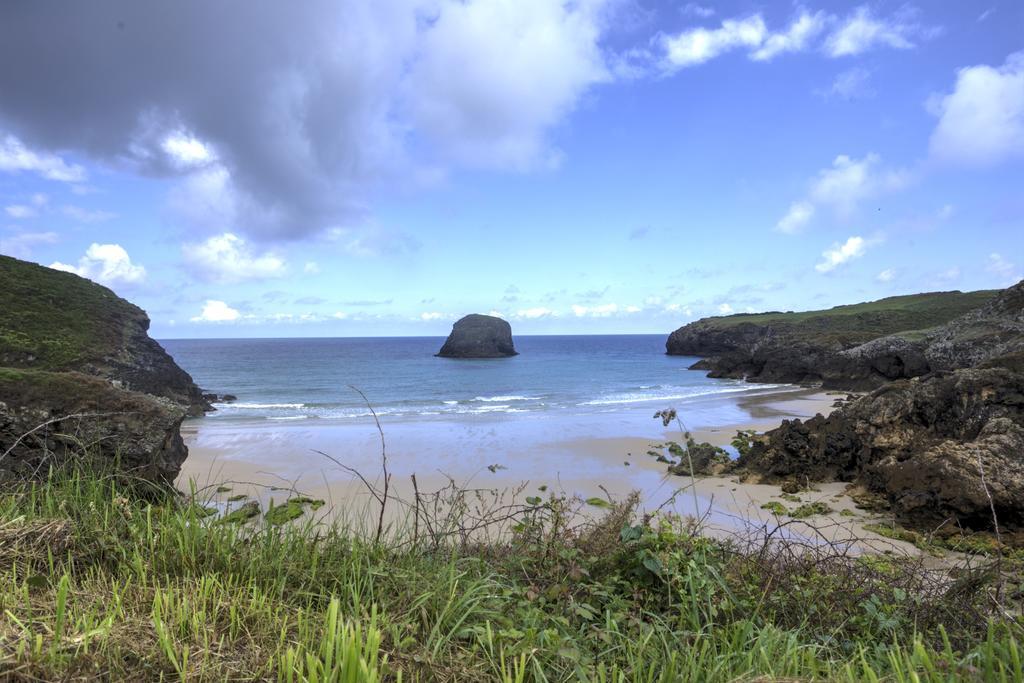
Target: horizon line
{"type": "Point", "coordinates": [419, 336]}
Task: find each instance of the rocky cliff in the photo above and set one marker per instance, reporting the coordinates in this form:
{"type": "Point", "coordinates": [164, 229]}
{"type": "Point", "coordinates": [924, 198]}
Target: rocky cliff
{"type": "Point", "coordinates": [479, 336]}
{"type": "Point", "coordinates": [79, 374]}
{"type": "Point", "coordinates": [937, 447]}
{"type": "Point", "coordinates": [861, 346]}
{"type": "Point", "coordinates": [947, 444]}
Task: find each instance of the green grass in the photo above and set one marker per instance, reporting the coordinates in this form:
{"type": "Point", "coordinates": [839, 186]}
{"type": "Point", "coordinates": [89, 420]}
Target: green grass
{"type": "Point", "coordinates": [910, 314]}
{"type": "Point", "coordinates": [95, 584]}
{"type": "Point", "coordinates": [60, 320]}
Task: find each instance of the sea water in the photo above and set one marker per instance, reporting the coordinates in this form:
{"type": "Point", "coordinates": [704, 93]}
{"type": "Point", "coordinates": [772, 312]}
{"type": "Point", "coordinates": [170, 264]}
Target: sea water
{"type": "Point", "coordinates": [318, 378]}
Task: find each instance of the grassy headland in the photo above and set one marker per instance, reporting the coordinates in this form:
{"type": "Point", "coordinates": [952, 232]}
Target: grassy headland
{"type": "Point", "coordinates": [97, 583]}
{"type": "Point", "coordinates": [61, 320]}
{"type": "Point", "coordinates": [864, 321]}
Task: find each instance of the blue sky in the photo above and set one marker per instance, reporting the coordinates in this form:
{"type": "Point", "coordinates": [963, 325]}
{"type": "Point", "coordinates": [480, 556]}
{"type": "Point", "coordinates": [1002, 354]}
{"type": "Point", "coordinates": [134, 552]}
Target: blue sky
{"type": "Point", "coordinates": [597, 166]}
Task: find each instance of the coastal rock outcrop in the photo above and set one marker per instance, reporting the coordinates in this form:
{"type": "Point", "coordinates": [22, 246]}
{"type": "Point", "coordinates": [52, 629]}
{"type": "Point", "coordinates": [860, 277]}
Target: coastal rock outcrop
{"type": "Point", "coordinates": [479, 336]}
{"type": "Point", "coordinates": [989, 336]}
{"type": "Point", "coordinates": [858, 347]}
{"type": "Point", "coordinates": [947, 446]}
{"type": "Point", "coordinates": [80, 377]}
{"type": "Point", "coordinates": [50, 418]}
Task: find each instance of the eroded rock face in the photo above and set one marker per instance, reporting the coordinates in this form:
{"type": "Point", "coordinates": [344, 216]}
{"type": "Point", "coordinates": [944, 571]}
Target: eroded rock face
{"type": "Point", "coordinates": [923, 443]}
{"type": "Point", "coordinates": [47, 419]}
{"type": "Point", "coordinates": [479, 336]}
{"type": "Point", "coordinates": [990, 336]}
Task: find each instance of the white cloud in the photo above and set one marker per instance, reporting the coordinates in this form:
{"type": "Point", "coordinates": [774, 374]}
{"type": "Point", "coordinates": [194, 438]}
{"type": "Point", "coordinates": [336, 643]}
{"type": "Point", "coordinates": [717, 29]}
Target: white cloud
{"type": "Point", "coordinates": [698, 10]}
{"type": "Point", "coordinates": [36, 201]}
{"type": "Point", "coordinates": [600, 311]}
{"type": "Point", "coordinates": [208, 199]}
{"type": "Point", "coordinates": [799, 214]}
{"type": "Point", "coordinates": [432, 315]}
{"type": "Point", "coordinates": [311, 267]}
{"type": "Point", "coordinates": [105, 263]}
{"type": "Point", "coordinates": [862, 31]}
{"type": "Point", "coordinates": [374, 241]}
{"type": "Point", "coordinates": [857, 33]}
{"type": "Point", "coordinates": [839, 254]}
{"type": "Point", "coordinates": [20, 245]}
{"type": "Point", "coordinates": [227, 258]}
{"type": "Point", "coordinates": [491, 78]}
{"type": "Point", "coordinates": [725, 309]}
{"type": "Point", "coordinates": [1007, 272]}
{"type": "Point", "coordinates": [185, 151]}
{"type": "Point", "coordinates": [86, 216]}
{"type": "Point", "coordinates": [678, 308]}
{"type": "Point", "coordinates": [15, 157]}
{"type": "Point", "coordinates": [215, 311]}
{"type": "Point", "coordinates": [534, 313]}
{"type": "Point", "coordinates": [846, 183]}
{"type": "Point", "coordinates": [887, 275]}
{"type": "Point", "coordinates": [982, 121]}
{"type": "Point", "coordinates": [796, 38]}
{"type": "Point", "coordinates": [852, 84]}
{"type": "Point", "coordinates": [20, 211]}
{"type": "Point", "coordinates": [843, 186]}
{"type": "Point", "coordinates": [698, 45]}
{"type": "Point", "coordinates": [339, 315]}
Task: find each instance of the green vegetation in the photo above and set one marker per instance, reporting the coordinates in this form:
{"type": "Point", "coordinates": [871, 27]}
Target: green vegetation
{"type": "Point", "coordinates": [802, 512]}
{"type": "Point", "coordinates": [810, 510]}
{"type": "Point", "coordinates": [744, 441]}
{"type": "Point", "coordinates": [910, 314]}
{"type": "Point", "coordinates": [977, 543]}
{"type": "Point", "coordinates": [292, 509]}
{"type": "Point", "coordinates": [60, 321]}
{"type": "Point", "coordinates": [775, 507]}
{"type": "Point", "coordinates": [95, 584]}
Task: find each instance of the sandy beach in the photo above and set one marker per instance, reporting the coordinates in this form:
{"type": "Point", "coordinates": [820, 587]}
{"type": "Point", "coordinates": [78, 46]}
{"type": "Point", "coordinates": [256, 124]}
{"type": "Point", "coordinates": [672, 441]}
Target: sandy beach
{"type": "Point", "coordinates": [587, 455]}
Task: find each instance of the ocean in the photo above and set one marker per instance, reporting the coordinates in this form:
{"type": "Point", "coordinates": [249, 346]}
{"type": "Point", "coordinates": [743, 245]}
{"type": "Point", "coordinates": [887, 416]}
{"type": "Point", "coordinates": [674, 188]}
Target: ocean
{"type": "Point", "coordinates": [311, 379]}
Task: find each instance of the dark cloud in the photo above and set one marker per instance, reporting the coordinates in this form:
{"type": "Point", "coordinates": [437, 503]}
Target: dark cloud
{"type": "Point", "coordinates": [281, 119]}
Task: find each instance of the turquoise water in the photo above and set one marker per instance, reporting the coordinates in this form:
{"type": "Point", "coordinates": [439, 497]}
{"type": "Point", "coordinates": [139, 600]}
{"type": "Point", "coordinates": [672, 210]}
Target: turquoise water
{"type": "Point", "coordinates": [310, 379]}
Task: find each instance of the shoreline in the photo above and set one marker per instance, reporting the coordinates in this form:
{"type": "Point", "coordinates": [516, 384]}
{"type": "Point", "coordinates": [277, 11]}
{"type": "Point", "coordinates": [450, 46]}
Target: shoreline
{"type": "Point", "coordinates": [516, 458]}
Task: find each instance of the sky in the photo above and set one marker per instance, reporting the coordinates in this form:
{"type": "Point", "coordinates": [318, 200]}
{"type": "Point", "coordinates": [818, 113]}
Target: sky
{"type": "Point", "coordinates": [352, 168]}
